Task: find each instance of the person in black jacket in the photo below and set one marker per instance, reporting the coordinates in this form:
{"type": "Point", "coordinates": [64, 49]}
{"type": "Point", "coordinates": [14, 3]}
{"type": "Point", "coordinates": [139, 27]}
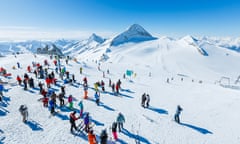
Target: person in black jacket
{"type": "Point", "coordinates": [177, 114]}
{"type": "Point", "coordinates": [103, 137]}
{"type": "Point", "coordinates": [114, 130]}
{"type": "Point", "coordinates": [73, 118]}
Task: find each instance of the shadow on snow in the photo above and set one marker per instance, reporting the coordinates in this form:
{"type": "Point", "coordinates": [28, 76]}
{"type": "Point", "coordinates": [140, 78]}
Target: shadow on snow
{"type": "Point", "coordinates": [35, 126]}
{"type": "Point", "coordinates": [61, 116]}
{"type": "Point", "coordinates": [134, 136]}
{"type": "Point", "coordinates": [97, 123]}
{"type": "Point", "coordinates": [198, 129]}
{"type": "Point", "coordinates": [158, 110]}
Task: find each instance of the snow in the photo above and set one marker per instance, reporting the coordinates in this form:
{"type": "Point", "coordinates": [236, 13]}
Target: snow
{"type": "Point", "coordinates": [135, 33]}
{"type": "Point", "coordinates": [210, 105]}
{"type": "Point", "coordinates": [209, 110]}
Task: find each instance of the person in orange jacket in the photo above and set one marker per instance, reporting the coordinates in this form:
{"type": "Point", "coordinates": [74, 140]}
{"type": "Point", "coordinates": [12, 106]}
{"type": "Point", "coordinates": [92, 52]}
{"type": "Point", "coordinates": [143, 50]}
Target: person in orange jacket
{"type": "Point", "coordinates": [92, 137]}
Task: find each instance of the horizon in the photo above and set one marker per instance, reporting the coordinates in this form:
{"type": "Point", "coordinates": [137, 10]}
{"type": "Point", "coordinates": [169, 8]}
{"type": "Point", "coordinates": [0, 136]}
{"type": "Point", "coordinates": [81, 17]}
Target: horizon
{"type": "Point", "coordinates": [73, 19]}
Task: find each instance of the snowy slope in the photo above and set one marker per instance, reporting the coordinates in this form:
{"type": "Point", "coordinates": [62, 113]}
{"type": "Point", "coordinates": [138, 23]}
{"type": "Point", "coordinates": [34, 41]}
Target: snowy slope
{"type": "Point", "coordinates": [209, 110]}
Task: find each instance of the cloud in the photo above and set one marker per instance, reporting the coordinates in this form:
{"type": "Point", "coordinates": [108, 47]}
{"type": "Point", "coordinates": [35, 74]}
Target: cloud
{"type": "Point", "coordinates": [30, 33]}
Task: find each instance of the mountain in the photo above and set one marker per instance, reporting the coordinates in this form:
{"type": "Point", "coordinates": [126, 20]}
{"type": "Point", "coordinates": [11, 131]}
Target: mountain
{"type": "Point", "coordinates": [135, 33]}
{"type": "Point", "coordinates": [79, 47]}
{"type": "Point", "coordinates": [95, 38]}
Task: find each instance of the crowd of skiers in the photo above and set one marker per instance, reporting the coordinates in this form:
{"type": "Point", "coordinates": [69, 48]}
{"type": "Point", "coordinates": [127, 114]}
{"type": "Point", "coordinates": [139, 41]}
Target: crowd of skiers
{"type": "Point", "coordinates": [49, 98]}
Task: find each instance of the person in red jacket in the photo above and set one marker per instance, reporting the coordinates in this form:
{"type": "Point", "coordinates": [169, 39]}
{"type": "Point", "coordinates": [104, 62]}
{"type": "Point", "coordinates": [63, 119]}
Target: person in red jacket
{"type": "Point", "coordinates": [92, 137]}
{"type": "Point", "coordinates": [19, 80]}
{"type": "Point", "coordinates": [29, 69]}
{"type": "Point", "coordinates": [48, 82]}
{"type": "Point", "coordinates": [45, 101]}
{"type": "Point", "coordinates": [73, 118]}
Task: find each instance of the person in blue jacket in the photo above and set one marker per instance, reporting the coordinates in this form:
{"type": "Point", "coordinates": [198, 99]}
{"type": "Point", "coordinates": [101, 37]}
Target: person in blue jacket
{"type": "Point", "coordinates": [86, 122]}
{"type": "Point", "coordinates": [80, 104]}
{"type": "Point", "coordinates": [1, 91]}
{"type": "Point", "coordinates": [120, 121]}
{"type": "Point", "coordinates": [97, 97]}
{"type": "Point", "coordinates": [52, 106]}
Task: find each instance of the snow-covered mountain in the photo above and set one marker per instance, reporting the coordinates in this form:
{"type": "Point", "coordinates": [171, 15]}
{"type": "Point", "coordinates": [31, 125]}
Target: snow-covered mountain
{"type": "Point", "coordinates": [172, 72]}
{"type": "Point", "coordinates": [135, 33]}
{"type": "Point", "coordinates": [200, 74]}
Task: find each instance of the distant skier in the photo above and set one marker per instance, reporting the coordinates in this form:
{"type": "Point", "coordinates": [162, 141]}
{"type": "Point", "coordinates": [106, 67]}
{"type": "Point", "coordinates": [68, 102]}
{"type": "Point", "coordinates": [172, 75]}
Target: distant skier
{"type": "Point", "coordinates": [24, 112]}
{"type": "Point", "coordinates": [70, 101]}
{"type": "Point", "coordinates": [177, 114]}
{"type": "Point", "coordinates": [19, 80]}
{"type": "Point", "coordinates": [110, 83]}
{"type": "Point", "coordinates": [120, 121]}
{"type": "Point", "coordinates": [97, 97]}
{"type": "Point", "coordinates": [92, 137]}
{"type": "Point", "coordinates": [114, 130]}
{"type": "Point", "coordinates": [103, 137]}
{"type": "Point", "coordinates": [102, 85]}
{"type": "Point", "coordinates": [52, 106]}
{"type": "Point", "coordinates": [80, 104]}
{"type": "Point", "coordinates": [61, 99]}
{"type": "Point", "coordinates": [81, 69]}
{"type": "Point", "coordinates": [1, 92]}
{"type": "Point", "coordinates": [72, 120]}
{"type": "Point", "coordinates": [86, 122]}
{"type": "Point", "coordinates": [18, 65]}
{"type": "Point", "coordinates": [143, 100]}
{"type": "Point", "coordinates": [147, 100]}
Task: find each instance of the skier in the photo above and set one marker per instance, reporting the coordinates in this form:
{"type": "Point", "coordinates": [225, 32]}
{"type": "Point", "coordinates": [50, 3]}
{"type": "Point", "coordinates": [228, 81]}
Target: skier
{"type": "Point", "coordinates": [31, 82]}
{"type": "Point", "coordinates": [73, 78]}
{"type": "Point", "coordinates": [35, 73]}
{"type": "Point", "coordinates": [52, 106]}
{"type": "Point", "coordinates": [103, 137]}
{"type": "Point", "coordinates": [84, 80]}
{"type": "Point", "coordinates": [86, 122]}
{"type": "Point", "coordinates": [70, 101]}
{"type": "Point", "coordinates": [29, 69]}
{"type": "Point", "coordinates": [85, 89]}
{"type": "Point", "coordinates": [102, 85]}
{"type": "Point", "coordinates": [177, 114]}
{"type": "Point", "coordinates": [40, 87]}
{"type": "Point", "coordinates": [80, 104]}
{"type": "Point", "coordinates": [19, 80]}
{"type": "Point", "coordinates": [72, 120]}
{"type": "Point", "coordinates": [63, 90]}
{"type": "Point", "coordinates": [45, 101]}
{"type": "Point", "coordinates": [61, 99]}
{"type": "Point", "coordinates": [24, 112]}
{"type": "Point", "coordinates": [110, 83]}
{"type": "Point", "coordinates": [92, 137]}
{"type": "Point", "coordinates": [147, 100]}
{"type": "Point", "coordinates": [114, 130]}
{"type": "Point", "coordinates": [120, 121]}
{"type": "Point", "coordinates": [25, 83]}
{"type": "Point", "coordinates": [143, 99]}
{"type": "Point", "coordinates": [117, 89]}
{"type": "Point", "coordinates": [113, 88]}
{"type": "Point", "coordinates": [81, 70]}
{"type": "Point", "coordinates": [18, 65]}
{"type": "Point", "coordinates": [1, 92]}
{"type": "Point", "coordinates": [97, 97]}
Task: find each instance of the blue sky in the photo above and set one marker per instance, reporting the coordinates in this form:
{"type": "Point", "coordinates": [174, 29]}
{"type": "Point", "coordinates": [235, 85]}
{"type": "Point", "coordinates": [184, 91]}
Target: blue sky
{"type": "Point", "coordinates": [79, 18]}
